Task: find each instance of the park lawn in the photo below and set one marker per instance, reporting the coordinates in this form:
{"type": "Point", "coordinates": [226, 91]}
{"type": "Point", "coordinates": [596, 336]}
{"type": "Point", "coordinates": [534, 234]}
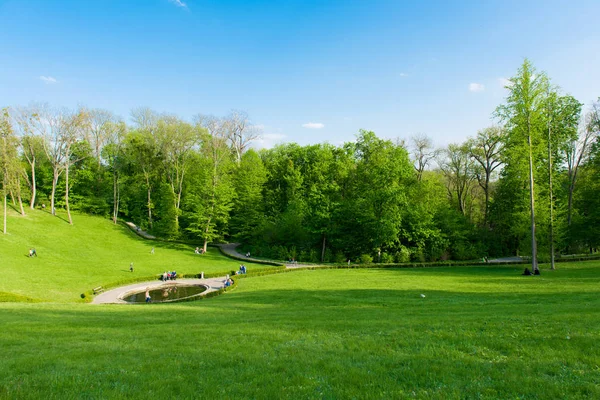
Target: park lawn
{"type": "Point", "coordinates": [479, 332]}
{"type": "Point", "coordinates": [73, 259]}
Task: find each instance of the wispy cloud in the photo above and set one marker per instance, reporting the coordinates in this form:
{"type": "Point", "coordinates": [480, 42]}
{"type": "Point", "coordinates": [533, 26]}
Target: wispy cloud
{"type": "Point", "coordinates": [179, 3]}
{"type": "Point", "coordinates": [48, 80]}
{"type": "Point", "coordinates": [313, 125]}
{"type": "Point", "coordinates": [504, 82]}
{"type": "Point", "coordinates": [476, 87]}
{"type": "Point", "coordinates": [403, 74]}
{"type": "Point", "coordinates": [268, 140]}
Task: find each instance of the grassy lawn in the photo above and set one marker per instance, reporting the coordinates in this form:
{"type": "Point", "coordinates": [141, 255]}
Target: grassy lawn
{"type": "Point", "coordinates": [479, 332]}
{"type": "Point", "coordinates": [90, 253]}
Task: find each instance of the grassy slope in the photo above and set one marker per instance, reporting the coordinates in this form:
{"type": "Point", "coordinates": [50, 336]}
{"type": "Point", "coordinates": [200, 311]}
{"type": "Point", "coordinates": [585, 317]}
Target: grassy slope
{"type": "Point", "coordinates": [479, 333]}
{"type": "Point", "coordinates": [92, 252]}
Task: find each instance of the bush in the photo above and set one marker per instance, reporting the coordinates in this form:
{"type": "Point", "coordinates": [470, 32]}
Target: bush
{"type": "Point", "coordinates": [387, 258]}
{"type": "Point", "coordinates": [366, 259]}
{"type": "Point", "coordinates": [339, 258]}
{"type": "Point", "coordinates": [402, 255]}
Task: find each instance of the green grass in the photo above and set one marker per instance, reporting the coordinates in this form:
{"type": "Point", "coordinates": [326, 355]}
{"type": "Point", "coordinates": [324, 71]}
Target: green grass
{"type": "Point", "coordinates": [92, 252]}
{"type": "Point", "coordinates": [479, 333]}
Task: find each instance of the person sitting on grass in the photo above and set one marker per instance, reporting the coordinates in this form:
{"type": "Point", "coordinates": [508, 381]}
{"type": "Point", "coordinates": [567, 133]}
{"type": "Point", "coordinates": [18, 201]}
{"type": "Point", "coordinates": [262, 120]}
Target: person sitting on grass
{"type": "Point", "coordinates": [197, 250]}
{"type": "Point", "coordinates": [32, 252]}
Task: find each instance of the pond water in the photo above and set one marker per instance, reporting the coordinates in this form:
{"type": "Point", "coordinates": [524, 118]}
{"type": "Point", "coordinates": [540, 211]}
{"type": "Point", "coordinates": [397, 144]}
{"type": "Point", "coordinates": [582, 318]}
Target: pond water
{"type": "Point", "coordinates": [166, 294]}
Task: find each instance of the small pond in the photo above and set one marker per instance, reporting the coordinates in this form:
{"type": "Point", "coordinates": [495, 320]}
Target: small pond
{"type": "Point", "coordinates": [166, 294]}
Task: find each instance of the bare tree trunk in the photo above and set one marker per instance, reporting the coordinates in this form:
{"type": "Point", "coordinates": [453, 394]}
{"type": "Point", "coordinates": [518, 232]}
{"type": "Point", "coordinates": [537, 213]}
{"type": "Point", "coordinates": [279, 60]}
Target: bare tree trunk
{"type": "Point", "coordinates": [147, 176]}
{"type": "Point", "coordinates": [149, 208]}
{"type": "Point", "coordinates": [552, 266]}
{"type": "Point", "coordinates": [323, 250]}
{"type": "Point", "coordinates": [206, 235]}
{"type": "Point", "coordinates": [33, 185]}
{"type": "Point", "coordinates": [5, 210]}
{"type": "Point", "coordinates": [67, 194]}
{"type": "Point", "coordinates": [115, 197]}
{"type": "Point", "coordinates": [20, 203]}
{"type": "Point", "coordinates": [534, 263]}
{"type": "Point", "coordinates": [54, 182]}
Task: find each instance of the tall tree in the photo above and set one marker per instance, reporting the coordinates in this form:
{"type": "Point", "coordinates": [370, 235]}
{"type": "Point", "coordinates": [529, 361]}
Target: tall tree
{"type": "Point", "coordinates": [562, 119]}
{"type": "Point", "coordinates": [524, 115]}
{"type": "Point", "coordinates": [215, 192]}
{"type": "Point", "coordinates": [113, 153]}
{"type": "Point", "coordinates": [180, 139]}
{"type": "Point", "coordinates": [486, 149]}
{"type": "Point", "coordinates": [423, 152]}
{"type": "Point", "coordinates": [578, 149]}
{"type": "Point", "coordinates": [240, 132]}
{"type": "Point", "coordinates": [75, 127]}
{"type": "Point", "coordinates": [459, 170]}
{"type": "Point", "coordinates": [99, 133]}
{"type": "Point", "coordinates": [32, 143]}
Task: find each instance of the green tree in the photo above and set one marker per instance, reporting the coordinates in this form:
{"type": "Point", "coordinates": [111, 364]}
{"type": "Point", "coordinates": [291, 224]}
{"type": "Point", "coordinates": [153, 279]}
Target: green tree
{"type": "Point", "coordinates": [524, 116]}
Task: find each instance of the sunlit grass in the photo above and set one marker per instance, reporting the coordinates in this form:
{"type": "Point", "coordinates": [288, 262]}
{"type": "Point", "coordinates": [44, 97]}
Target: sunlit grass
{"type": "Point", "coordinates": [93, 252]}
{"type": "Point", "coordinates": [479, 332]}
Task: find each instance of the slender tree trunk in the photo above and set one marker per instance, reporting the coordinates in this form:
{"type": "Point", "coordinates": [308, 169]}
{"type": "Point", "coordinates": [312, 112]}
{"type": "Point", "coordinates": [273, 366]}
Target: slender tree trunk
{"type": "Point", "coordinates": [149, 207]}
{"type": "Point", "coordinates": [5, 209]}
{"type": "Point", "coordinates": [534, 264]}
{"type": "Point", "coordinates": [33, 185]}
{"type": "Point", "coordinates": [487, 198]}
{"type": "Point", "coordinates": [115, 197]}
{"type": "Point", "coordinates": [67, 194]}
{"type": "Point", "coordinates": [20, 202]}
{"type": "Point", "coordinates": [147, 176]}
{"type": "Point", "coordinates": [206, 234]}
{"type": "Point", "coordinates": [323, 250]}
{"type": "Point", "coordinates": [552, 266]}
{"type": "Point", "coordinates": [54, 182]}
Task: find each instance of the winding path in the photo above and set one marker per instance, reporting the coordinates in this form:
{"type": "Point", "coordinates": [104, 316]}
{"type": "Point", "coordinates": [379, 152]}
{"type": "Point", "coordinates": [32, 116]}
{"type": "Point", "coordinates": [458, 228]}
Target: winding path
{"type": "Point", "coordinates": [230, 249]}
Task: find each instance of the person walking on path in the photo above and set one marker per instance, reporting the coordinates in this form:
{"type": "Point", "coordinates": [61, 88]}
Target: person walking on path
{"type": "Point", "coordinates": [148, 298]}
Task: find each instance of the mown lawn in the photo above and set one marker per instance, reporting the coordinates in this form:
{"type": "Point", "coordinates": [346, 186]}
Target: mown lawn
{"type": "Point", "coordinates": [73, 259]}
{"type": "Point", "coordinates": [479, 332]}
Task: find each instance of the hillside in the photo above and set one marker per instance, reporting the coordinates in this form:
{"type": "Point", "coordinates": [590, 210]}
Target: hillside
{"type": "Point", "coordinates": [73, 259]}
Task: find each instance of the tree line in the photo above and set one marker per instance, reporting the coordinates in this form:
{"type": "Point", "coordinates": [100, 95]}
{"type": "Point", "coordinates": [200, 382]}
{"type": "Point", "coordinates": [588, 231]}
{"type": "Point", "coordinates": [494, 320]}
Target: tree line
{"type": "Point", "coordinates": [527, 185]}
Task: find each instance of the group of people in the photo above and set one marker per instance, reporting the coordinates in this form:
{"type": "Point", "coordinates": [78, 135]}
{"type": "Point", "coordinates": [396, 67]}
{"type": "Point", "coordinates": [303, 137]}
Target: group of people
{"type": "Point", "coordinates": [228, 281]}
{"type": "Point", "coordinates": [242, 270]}
{"type": "Point", "coordinates": [169, 276]}
{"type": "Point", "coordinates": [199, 250]}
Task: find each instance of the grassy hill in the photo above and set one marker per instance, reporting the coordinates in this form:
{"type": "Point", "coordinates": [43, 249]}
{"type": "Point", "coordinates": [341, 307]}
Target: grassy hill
{"type": "Point", "coordinates": [73, 259]}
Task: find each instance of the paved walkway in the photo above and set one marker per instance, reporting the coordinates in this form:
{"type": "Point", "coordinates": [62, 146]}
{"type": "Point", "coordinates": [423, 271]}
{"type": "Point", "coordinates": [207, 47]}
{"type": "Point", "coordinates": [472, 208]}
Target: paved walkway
{"type": "Point", "coordinates": [230, 248]}
{"type": "Point", "coordinates": [139, 231]}
{"type": "Point", "coordinates": [113, 296]}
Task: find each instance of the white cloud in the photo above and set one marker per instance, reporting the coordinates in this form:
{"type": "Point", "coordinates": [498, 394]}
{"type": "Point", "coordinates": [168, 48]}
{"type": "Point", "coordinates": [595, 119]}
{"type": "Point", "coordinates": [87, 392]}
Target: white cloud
{"type": "Point", "coordinates": [504, 82]}
{"type": "Point", "coordinates": [179, 3]}
{"type": "Point", "coordinates": [268, 140]}
{"type": "Point", "coordinates": [403, 74]}
{"type": "Point", "coordinates": [476, 87]}
{"type": "Point", "coordinates": [313, 125]}
{"type": "Point", "coordinates": [48, 80]}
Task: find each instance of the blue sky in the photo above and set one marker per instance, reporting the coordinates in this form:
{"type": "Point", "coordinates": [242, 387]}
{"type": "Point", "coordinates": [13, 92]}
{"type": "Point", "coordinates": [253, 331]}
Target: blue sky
{"type": "Point", "coordinates": [394, 67]}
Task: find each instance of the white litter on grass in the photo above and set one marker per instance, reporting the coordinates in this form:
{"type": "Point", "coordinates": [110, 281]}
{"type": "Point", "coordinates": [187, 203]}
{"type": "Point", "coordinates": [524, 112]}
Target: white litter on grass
{"type": "Point", "coordinates": [422, 295]}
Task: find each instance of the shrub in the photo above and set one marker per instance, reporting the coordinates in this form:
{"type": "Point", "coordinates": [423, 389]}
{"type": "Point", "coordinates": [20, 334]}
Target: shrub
{"type": "Point", "coordinates": [387, 258]}
{"type": "Point", "coordinates": [402, 255]}
{"type": "Point", "coordinates": [365, 259]}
